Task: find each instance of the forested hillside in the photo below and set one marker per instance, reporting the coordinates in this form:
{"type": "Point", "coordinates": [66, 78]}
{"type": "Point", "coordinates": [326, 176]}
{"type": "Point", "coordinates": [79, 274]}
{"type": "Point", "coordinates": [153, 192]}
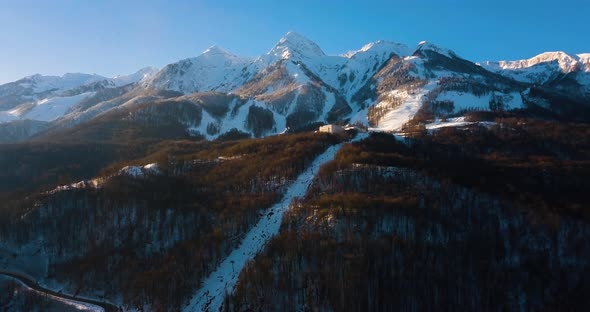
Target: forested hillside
{"type": "Point", "coordinates": [479, 219]}
{"type": "Point", "coordinates": [145, 238]}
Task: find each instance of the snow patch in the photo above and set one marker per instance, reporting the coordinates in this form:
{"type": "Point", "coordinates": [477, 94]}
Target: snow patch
{"type": "Point", "coordinates": [455, 122]}
{"type": "Point", "coordinates": [40, 83]}
{"type": "Point", "coordinates": [137, 171]}
{"type": "Point", "coordinates": [7, 116]}
{"type": "Point", "coordinates": [52, 108]}
{"type": "Point", "coordinates": [152, 168]}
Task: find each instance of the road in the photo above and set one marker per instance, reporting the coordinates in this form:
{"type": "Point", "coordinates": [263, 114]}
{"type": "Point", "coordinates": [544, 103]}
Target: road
{"type": "Point", "coordinates": [29, 282]}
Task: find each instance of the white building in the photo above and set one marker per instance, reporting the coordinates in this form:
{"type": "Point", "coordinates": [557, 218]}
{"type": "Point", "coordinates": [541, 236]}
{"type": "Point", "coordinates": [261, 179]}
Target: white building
{"type": "Point", "coordinates": [331, 129]}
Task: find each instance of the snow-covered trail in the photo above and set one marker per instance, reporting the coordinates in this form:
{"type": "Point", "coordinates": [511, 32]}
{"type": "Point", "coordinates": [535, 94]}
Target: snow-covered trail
{"type": "Point", "coordinates": [210, 296]}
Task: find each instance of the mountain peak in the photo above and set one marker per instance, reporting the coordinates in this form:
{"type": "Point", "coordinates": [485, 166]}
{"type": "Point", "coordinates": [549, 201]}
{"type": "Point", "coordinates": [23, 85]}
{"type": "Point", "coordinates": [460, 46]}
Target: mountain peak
{"type": "Point", "coordinates": [295, 45]}
{"type": "Point", "coordinates": [566, 62]}
{"type": "Point", "coordinates": [215, 49]}
{"type": "Point", "coordinates": [429, 46]}
{"type": "Point", "coordinates": [584, 58]}
{"type": "Point", "coordinates": [41, 83]}
{"type": "Point", "coordinates": [379, 46]}
{"type": "Point", "coordinates": [293, 36]}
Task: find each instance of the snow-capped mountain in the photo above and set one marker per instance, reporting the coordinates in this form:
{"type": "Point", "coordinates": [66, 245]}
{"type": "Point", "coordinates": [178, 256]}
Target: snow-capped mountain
{"type": "Point", "coordinates": [584, 59]}
{"type": "Point", "coordinates": [214, 70]}
{"type": "Point", "coordinates": [541, 68]}
{"type": "Point", "coordinates": [38, 87]}
{"type": "Point", "coordinates": [47, 98]}
{"type": "Point", "coordinates": [40, 83]}
{"type": "Point", "coordinates": [297, 86]}
{"type": "Point", "coordinates": [429, 46]}
{"type": "Point", "coordinates": [296, 47]}
{"type": "Point", "coordinates": [295, 83]}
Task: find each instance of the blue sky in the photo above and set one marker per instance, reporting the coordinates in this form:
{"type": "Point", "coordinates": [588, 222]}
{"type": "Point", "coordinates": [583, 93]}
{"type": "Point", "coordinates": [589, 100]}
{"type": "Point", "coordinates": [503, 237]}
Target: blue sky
{"type": "Point", "coordinates": [111, 37]}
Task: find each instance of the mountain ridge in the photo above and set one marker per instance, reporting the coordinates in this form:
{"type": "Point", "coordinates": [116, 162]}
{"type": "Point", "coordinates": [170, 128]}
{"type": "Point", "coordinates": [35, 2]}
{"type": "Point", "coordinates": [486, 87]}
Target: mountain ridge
{"type": "Point", "coordinates": [296, 85]}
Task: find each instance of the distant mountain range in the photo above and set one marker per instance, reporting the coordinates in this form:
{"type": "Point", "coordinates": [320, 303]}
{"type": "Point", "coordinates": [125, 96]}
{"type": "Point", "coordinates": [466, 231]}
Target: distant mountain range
{"type": "Point", "coordinates": [296, 86]}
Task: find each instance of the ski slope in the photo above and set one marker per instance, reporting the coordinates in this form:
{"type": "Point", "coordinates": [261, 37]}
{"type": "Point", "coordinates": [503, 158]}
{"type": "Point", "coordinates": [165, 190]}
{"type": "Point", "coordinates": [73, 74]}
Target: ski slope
{"type": "Point", "coordinates": [225, 277]}
{"type": "Point", "coordinates": [53, 108]}
{"type": "Point", "coordinates": [397, 117]}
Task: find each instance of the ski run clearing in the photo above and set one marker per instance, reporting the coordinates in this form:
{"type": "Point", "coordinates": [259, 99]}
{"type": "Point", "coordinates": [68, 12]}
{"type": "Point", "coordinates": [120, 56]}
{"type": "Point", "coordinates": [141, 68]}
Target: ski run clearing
{"type": "Point", "coordinates": [396, 118]}
{"type": "Point", "coordinates": [223, 280]}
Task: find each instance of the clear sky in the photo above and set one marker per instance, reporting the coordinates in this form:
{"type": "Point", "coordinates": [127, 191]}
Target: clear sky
{"type": "Point", "coordinates": [111, 37]}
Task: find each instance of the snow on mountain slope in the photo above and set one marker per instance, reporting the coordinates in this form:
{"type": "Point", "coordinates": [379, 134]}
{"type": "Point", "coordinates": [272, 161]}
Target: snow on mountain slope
{"type": "Point", "coordinates": [363, 64]}
{"type": "Point", "coordinates": [38, 87]}
{"type": "Point", "coordinates": [431, 74]}
{"type": "Point", "coordinates": [428, 46]}
{"type": "Point", "coordinates": [44, 110]}
{"type": "Point", "coordinates": [297, 81]}
{"type": "Point", "coordinates": [140, 171]}
{"type": "Point", "coordinates": [540, 68]}
{"type": "Point", "coordinates": [346, 73]}
{"type": "Point", "coordinates": [295, 47]}
{"type": "Point", "coordinates": [40, 83]}
{"type": "Point", "coordinates": [70, 93]}
{"type": "Point", "coordinates": [452, 122]}
{"type": "Point", "coordinates": [296, 85]}
{"type": "Point", "coordinates": [380, 47]}
{"type": "Point", "coordinates": [565, 62]}
{"type": "Point", "coordinates": [231, 121]}
{"type": "Point", "coordinates": [218, 70]}
{"type": "Point", "coordinates": [213, 70]}
{"type": "Point", "coordinates": [411, 102]}
{"type": "Point", "coordinates": [6, 116]}
{"type": "Point", "coordinates": [142, 74]}
{"type": "Point", "coordinates": [291, 89]}
{"type": "Point", "coordinates": [53, 108]}
{"type": "Point", "coordinates": [584, 58]}
{"type": "Point", "coordinates": [32, 89]}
